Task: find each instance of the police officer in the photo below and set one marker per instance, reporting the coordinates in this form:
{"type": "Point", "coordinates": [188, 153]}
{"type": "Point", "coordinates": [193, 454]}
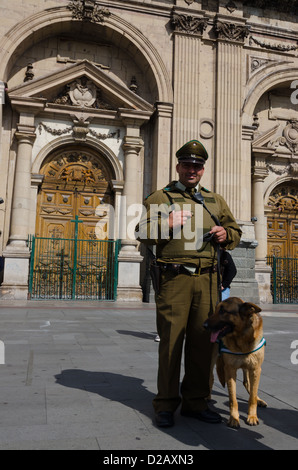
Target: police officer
{"type": "Point", "coordinates": [188, 286]}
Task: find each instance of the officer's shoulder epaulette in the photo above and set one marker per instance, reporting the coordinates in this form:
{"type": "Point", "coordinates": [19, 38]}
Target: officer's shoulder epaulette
{"type": "Point", "coordinates": [205, 189]}
{"type": "Point", "coordinates": [170, 187]}
{"type": "Point", "coordinates": [148, 195]}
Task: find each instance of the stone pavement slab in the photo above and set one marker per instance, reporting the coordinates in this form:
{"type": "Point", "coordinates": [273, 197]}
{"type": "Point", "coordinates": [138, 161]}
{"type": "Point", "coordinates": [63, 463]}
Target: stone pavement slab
{"type": "Point", "coordinates": [82, 376]}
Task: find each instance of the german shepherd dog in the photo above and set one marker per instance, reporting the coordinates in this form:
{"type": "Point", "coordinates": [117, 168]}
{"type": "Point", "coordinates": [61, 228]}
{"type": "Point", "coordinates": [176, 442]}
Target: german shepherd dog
{"type": "Point", "coordinates": [238, 327]}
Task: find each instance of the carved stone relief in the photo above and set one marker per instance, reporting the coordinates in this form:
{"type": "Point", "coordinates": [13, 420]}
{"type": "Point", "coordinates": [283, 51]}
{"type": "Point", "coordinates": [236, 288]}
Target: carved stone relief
{"type": "Point", "coordinates": [231, 6]}
{"type": "Point", "coordinates": [76, 168]}
{"type": "Point", "coordinates": [289, 138]}
{"type": "Point", "coordinates": [188, 24]}
{"type": "Point", "coordinates": [276, 46]}
{"type": "Point", "coordinates": [284, 199]}
{"type": "Point", "coordinates": [290, 169]}
{"type": "Point", "coordinates": [88, 10]}
{"type": "Point", "coordinates": [84, 93]}
{"type": "Point", "coordinates": [231, 31]}
{"type": "Point", "coordinates": [257, 63]}
{"type": "Point", "coordinates": [80, 130]}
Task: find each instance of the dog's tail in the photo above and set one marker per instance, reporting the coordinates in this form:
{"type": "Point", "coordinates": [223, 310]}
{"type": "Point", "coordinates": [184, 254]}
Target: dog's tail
{"type": "Point", "coordinates": [220, 370]}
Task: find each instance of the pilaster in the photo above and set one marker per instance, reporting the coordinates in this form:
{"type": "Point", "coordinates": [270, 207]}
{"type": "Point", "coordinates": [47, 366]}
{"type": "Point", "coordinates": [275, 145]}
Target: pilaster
{"type": "Point", "coordinates": [162, 145]}
{"type": "Point", "coordinates": [228, 168]}
{"type": "Point", "coordinates": [188, 31]}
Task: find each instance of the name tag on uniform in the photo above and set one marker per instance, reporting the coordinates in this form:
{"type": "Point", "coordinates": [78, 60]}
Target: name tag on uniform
{"type": "Point", "coordinates": [209, 199]}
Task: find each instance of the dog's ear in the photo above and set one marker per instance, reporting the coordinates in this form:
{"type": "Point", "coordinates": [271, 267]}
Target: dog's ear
{"type": "Point", "coordinates": [248, 308]}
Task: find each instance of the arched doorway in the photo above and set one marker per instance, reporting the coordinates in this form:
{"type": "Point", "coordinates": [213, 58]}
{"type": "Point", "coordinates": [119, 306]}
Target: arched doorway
{"type": "Point", "coordinates": [73, 257]}
{"type": "Point", "coordinates": [282, 240]}
{"type": "Point", "coordinates": [76, 183]}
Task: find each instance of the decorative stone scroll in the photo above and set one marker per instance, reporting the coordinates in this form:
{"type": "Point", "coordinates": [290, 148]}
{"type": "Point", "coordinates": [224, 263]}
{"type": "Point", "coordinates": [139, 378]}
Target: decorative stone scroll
{"type": "Point", "coordinates": [188, 24]}
{"type": "Point", "coordinates": [88, 10]}
{"type": "Point", "coordinates": [231, 31]}
{"type": "Point", "coordinates": [284, 199]}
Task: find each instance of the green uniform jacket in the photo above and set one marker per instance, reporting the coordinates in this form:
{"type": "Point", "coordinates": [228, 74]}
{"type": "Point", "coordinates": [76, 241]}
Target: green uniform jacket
{"type": "Point", "coordinates": [185, 245]}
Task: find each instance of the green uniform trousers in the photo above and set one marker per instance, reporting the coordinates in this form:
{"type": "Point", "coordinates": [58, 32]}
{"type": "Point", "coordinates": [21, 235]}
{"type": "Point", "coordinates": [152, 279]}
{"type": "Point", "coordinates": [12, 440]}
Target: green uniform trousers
{"type": "Point", "coordinates": [182, 306]}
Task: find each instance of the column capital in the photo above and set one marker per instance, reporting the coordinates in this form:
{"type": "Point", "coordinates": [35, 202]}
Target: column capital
{"type": "Point", "coordinates": [25, 133]}
{"type": "Point", "coordinates": [191, 25]}
{"type": "Point", "coordinates": [259, 173]}
{"type": "Point", "coordinates": [117, 185]}
{"type": "Point", "coordinates": [260, 170]}
{"type": "Point", "coordinates": [132, 144]}
{"type": "Point", "coordinates": [235, 32]}
{"type": "Point", "coordinates": [134, 118]}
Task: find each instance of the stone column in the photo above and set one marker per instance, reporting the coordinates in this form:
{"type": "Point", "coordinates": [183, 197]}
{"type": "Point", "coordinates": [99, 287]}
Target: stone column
{"type": "Point", "coordinates": [161, 145]}
{"type": "Point", "coordinates": [16, 253]}
{"type": "Point", "coordinates": [228, 168]}
{"type": "Point", "coordinates": [188, 32]}
{"type": "Point", "coordinates": [262, 270]}
{"type": "Point", "coordinates": [118, 190]}
{"type": "Point", "coordinates": [129, 288]}
{"type": "Point", "coordinates": [3, 187]}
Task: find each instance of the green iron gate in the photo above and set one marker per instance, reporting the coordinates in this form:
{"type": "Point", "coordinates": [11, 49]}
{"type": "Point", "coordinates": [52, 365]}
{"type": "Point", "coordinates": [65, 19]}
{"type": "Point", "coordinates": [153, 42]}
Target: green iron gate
{"type": "Point", "coordinates": [73, 269]}
{"type": "Point", "coordinates": [284, 279]}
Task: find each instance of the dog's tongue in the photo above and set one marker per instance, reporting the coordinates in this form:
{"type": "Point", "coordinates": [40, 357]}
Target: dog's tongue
{"type": "Point", "coordinates": [214, 336]}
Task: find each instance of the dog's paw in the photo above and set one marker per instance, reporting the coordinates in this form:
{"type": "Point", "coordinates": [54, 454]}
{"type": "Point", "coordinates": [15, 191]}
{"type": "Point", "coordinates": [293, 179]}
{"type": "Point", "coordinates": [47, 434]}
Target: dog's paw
{"type": "Point", "coordinates": [234, 423]}
{"type": "Point", "coordinates": [252, 420]}
{"type": "Point", "coordinates": [262, 403]}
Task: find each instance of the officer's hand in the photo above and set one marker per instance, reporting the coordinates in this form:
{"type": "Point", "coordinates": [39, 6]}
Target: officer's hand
{"type": "Point", "coordinates": [178, 218]}
{"type": "Point", "coordinates": [220, 234]}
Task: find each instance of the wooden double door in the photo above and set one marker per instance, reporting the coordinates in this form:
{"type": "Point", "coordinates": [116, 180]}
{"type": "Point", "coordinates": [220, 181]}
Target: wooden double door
{"type": "Point", "coordinates": [76, 183]}
{"type": "Point", "coordinates": [282, 222]}
{"type": "Point", "coordinates": [73, 258]}
{"type": "Point", "coordinates": [282, 231]}
{"type": "Point", "coordinates": [283, 237]}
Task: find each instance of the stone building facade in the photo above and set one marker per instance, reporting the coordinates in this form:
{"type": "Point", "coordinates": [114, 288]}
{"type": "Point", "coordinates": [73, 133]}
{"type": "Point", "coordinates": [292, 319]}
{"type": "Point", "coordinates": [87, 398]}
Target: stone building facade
{"type": "Point", "coordinates": [98, 95]}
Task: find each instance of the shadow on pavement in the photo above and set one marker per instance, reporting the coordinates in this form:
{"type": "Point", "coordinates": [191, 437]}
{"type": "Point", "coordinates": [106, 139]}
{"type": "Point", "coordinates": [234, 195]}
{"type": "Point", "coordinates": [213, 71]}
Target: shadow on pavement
{"type": "Point", "coordinates": [131, 392]}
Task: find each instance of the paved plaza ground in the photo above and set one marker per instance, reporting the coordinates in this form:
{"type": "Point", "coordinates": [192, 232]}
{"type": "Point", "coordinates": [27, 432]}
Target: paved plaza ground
{"type": "Point", "coordinates": [82, 376]}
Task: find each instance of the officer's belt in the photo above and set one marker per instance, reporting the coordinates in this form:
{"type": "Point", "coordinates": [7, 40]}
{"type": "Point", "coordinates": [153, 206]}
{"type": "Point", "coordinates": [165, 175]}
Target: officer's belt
{"type": "Point", "coordinates": [181, 269]}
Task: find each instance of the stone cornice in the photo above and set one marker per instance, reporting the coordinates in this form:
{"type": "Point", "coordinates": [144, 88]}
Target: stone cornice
{"type": "Point", "coordinates": [284, 6]}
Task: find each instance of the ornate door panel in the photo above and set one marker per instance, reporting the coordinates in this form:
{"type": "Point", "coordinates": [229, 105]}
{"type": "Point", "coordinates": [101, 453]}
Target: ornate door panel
{"type": "Point", "coordinates": [282, 222]}
{"type": "Point", "coordinates": [283, 243]}
{"type": "Point", "coordinates": [75, 183]}
{"type": "Point", "coordinates": [294, 237]}
{"type": "Point", "coordinates": [70, 260]}
{"type": "Point", "coordinates": [278, 240]}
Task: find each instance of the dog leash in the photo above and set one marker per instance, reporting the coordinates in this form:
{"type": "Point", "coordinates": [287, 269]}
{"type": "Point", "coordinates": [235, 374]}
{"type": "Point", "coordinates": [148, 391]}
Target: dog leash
{"type": "Point", "coordinates": [223, 349]}
{"type": "Point", "coordinates": [198, 197]}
